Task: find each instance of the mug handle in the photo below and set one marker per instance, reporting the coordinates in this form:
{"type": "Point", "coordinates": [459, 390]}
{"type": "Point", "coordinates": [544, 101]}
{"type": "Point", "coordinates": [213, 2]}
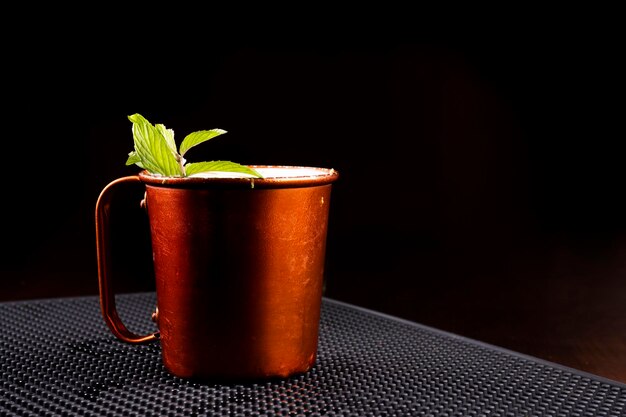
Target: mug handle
{"type": "Point", "coordinates": [107, 297]}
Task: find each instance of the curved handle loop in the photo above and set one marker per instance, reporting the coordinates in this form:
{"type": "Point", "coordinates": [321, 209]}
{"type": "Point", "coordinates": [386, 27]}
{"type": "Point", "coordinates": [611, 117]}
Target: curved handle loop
{"type": "Point", "coordinates": [107, 297]}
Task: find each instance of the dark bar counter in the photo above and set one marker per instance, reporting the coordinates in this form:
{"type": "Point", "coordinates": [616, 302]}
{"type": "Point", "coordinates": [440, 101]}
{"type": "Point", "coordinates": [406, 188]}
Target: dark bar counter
{"type": "Point", "coordinates": [58, 358]}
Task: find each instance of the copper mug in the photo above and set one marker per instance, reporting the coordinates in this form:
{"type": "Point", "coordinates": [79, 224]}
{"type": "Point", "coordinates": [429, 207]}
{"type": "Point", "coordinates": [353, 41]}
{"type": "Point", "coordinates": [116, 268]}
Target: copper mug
{"type": "Point", "coordinates": [239, 269]}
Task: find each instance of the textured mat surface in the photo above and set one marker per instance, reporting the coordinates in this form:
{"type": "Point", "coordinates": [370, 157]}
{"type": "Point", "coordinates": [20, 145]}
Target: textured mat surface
{"type": "Point", "coordinates": [58, 358]}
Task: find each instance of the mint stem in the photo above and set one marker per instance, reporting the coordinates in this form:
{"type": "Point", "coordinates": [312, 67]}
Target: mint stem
{"type": "Point", "coordinates": [181, 164]}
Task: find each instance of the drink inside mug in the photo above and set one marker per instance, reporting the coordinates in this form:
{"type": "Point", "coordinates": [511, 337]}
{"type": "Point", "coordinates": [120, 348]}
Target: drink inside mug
{"type": "Point", "coordinates": [269, 172]}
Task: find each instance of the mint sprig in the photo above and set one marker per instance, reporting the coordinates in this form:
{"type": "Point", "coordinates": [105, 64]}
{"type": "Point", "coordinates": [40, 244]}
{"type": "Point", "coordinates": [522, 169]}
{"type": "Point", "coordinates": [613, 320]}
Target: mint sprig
{"type": "Point", "coordinates": [155, 151]}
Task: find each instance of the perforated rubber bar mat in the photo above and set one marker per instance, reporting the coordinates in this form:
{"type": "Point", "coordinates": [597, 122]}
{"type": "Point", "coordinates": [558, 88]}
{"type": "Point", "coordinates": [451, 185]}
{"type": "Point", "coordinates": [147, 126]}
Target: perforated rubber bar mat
{"type": "Point", "coordinates": [57, 357]}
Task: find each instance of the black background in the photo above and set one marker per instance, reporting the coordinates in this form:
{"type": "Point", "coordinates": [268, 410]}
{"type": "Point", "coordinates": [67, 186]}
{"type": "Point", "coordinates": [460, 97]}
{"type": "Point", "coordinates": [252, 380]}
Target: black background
{"type": "Point", "coordinates": [477, 154]}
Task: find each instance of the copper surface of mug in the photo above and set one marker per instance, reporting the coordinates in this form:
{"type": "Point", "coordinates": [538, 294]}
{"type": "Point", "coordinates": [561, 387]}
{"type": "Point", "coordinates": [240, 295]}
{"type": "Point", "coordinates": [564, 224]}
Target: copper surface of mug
{"type": "Point", "coordinates": [239, 269]}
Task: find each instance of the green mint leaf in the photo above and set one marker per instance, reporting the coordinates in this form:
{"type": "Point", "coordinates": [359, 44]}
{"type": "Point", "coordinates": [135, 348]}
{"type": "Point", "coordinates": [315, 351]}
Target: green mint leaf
{"type": "Point", "coordinates": [168, 134]}
{"type": "Point", "coordinates": [152, 148]}
{"type": "Point", "coordinates": [155, 151]}
{"type": "Point", "coordinates": [133, 158]}
{"type": "Point", "coordinates": [197, 138]}
{"type": "Point", "coordinates": [222, 166]}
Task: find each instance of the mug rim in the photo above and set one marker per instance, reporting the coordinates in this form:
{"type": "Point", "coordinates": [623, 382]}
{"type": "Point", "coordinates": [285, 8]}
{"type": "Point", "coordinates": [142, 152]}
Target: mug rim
{"type": "Point", "coordinates": [326, 176]}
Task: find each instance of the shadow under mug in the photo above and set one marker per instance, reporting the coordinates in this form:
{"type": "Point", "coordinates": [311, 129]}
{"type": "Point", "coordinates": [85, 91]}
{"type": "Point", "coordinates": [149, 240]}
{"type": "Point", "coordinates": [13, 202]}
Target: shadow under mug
{"type": "Point", "coordinates": [239, 270]}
